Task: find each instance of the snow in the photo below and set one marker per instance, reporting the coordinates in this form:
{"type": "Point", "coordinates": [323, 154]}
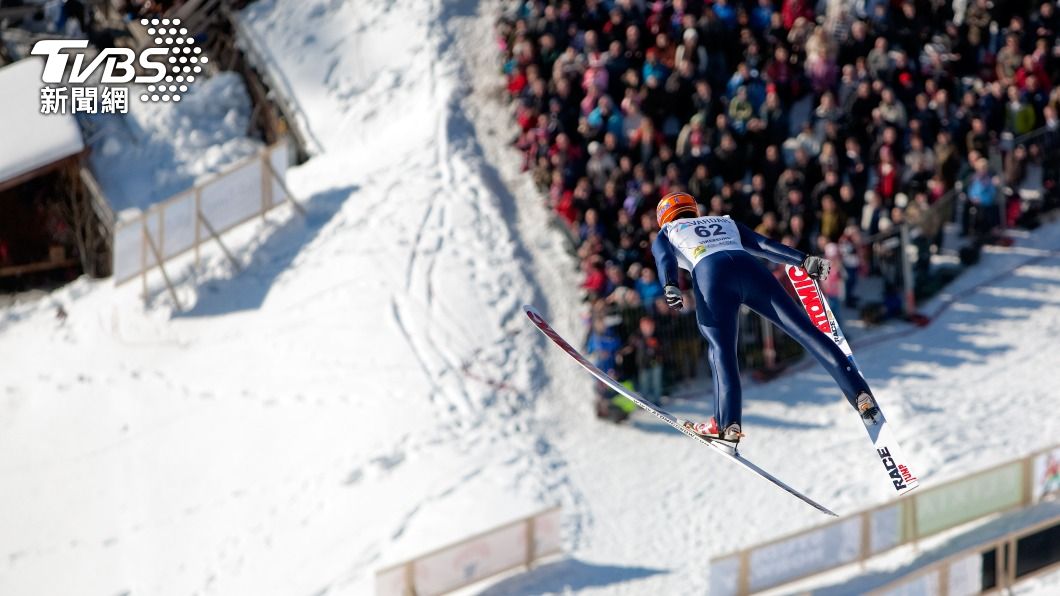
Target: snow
{"type": "Point", "coordinates": [1039, 585]}
{"type": "Point", "coordinates": [367, 388]}
{"type": "Point", "coordinates": [160, 149]}
{"type": "Point", "coordinates": [42, 139]}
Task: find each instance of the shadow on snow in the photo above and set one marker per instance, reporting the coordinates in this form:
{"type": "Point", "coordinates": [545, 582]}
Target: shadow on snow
{"type": "Point", "coordinates": [568, 574]}
{"type": "Point", "coordinates": [246, 289]}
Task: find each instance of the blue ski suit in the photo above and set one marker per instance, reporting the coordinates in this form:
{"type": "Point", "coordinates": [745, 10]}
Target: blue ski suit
{"type": "Point", "coordinates": [720, 254]}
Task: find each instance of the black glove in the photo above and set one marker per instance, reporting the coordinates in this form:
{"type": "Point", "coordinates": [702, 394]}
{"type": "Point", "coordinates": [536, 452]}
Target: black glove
{"type": "Point", "coordinates": [817, 267]}
{"type": "Point", "coordinates": [673, 297]}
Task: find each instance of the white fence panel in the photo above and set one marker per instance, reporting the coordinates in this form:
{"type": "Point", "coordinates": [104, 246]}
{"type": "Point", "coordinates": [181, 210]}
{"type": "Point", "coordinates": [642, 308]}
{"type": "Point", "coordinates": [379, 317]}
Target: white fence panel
{"type": "Point", "coordinates": [234, 197]}
{"type": "Point", "coordinates": [966, 575]}
{"type": "Point", "coordinates": [475, 559]}
{"type": "Point", "coordinates": [225, 201]}
{"type": "Point", "coordinates": [128, 246]}
{"type": "Point", "coordinates": [178, 221]}
{"type": "Point", "coordinates": [886, 528]}
{"type": "Point", "coordinates": [154, 225]}
{"type": "Point", "coordinates": [548, 533]}
{"type": "Point", "coordinates": [725, 576]}
{"type": "Point", "coordinates": [805, 554]}
{"type": "Point", "coordinates": [393, 582]}
{"type": "Point", "coordinates": [279, 158]}
{"type": "Point", "coordinates": [472, 561]}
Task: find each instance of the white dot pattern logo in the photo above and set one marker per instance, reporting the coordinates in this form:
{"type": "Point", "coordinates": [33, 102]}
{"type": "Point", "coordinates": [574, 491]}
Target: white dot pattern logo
{"type": "Point", "coordinates": [169, 34]}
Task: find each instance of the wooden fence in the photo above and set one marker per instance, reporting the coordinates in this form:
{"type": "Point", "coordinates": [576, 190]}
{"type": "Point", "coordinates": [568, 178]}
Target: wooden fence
{"type": "Point", "coordinates": [995, 565]}
{"type": "Point", "coordinates": [517, 544]}
{"type": "Point", "coordinates": [184, 222]}
{"type": "Point", "coordinates": [860, 536]}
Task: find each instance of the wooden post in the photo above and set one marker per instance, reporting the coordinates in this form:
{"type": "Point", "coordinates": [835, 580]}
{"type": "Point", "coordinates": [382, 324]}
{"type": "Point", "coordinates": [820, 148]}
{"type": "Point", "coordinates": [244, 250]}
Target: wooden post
{"type": "Point", "coordinates": [1012, 552]}
{"type": "Point", "coordinates": [143, 258]}
{"type": "Point", "coordinates": [283, 185]}
{"type": "Point", "coordinates": [198, 226]}
{"type": "Point", "coordinates": [161, 231]}
{"type": "Point", "coordinates": [529, 542]}
{"type": "Point", "coordinates": [944, 579]}
{"type": "Point", "coordinates": [410, 579]}
{"type": "Point", "coordinates": [1028, 478]}
{"type": "Point", "coordinates": [743, 581]}
{"type": "Point", "coordinates": [209, 228]}
{"type": "Point", "coordinates": [165, 276]}
{"type": "Point", "coordinates": [266, 183]}
{"type": "Point", "coordinates": [1000, 566]}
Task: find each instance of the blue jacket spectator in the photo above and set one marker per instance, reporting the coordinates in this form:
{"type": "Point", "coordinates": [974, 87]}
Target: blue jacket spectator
{"type": "Point", "coordinates": [605, 117]}
{"type": "Point", "coordinates": [648, 287]}
{"type": "Point", "coordinates": [762, 16]}
{"type": "Point", "coordinates": [654, 68]}
{"type": "Point", "coordinates": [726, 13]}
{"type": "Point", "coordinates": [982, 190]}
{"type": "Point", "coordinates": [603, 345]}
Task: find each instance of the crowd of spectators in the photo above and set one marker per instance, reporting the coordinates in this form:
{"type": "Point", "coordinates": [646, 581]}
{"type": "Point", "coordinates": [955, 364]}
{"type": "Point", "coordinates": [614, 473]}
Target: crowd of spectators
{"type": "Point", "coordinates": [816, 125]}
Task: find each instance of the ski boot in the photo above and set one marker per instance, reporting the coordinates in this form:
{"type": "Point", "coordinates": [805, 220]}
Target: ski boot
{"type": "Point", "coordinates": [710, 430]}
{"type": "Point", "coordinates": [866, 406]}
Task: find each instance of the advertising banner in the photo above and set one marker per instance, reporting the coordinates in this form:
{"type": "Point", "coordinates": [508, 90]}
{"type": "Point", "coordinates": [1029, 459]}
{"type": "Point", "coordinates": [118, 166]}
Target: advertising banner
{"type": "Point", "coordinates": [476, 558]}
{"type": "Point", "coordinates": [471, 561]}
{"type": "Point", "coordinates": [725, 576]}
{"type": "Point", "coordinates": [1046, 476]}
{"type": "Point", "coordinates": [966, 575]}
{"type": "Point", "coordinates": [952, 504]}
{"type": "Point", "coordinates": [886, 528]}
{"type": "Point", "coordinates": [798, 556]}
{"type": "Point", "coordinates": [548, 534]}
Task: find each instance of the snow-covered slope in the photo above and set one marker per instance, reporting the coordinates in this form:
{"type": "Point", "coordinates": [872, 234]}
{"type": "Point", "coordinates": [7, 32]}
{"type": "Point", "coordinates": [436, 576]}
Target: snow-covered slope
{"type": "Point", "coordinates": [368, 389]}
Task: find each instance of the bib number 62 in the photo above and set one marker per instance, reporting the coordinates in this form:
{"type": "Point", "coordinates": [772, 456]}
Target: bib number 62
{"type": "Point", "coordinates": [703, 232]}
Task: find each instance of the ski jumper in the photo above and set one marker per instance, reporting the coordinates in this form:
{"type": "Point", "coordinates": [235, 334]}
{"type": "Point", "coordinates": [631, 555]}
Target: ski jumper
{"type": "Point", "coordinates": [720, 254]}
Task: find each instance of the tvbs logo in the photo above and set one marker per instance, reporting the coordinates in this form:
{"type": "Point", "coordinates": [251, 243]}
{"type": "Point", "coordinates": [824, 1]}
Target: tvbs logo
{"type": "Point", "coordinates": [118, 63]}
{"type": "Point", "coordinates": [166, 69]}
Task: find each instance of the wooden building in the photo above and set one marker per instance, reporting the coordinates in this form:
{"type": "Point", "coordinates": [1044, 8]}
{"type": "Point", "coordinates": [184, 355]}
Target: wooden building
{"type": "Point", "coordinates": [54, 224]}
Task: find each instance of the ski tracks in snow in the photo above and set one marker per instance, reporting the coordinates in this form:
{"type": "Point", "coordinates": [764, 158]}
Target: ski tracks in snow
{"type": "Point", "coordinates": [482, 368]}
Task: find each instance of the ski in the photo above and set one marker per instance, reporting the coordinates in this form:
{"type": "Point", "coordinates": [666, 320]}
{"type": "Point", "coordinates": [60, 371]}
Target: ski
{"type": "Point", "coordinates": [895, 463]}
{"type": "Point", "coordinates": [727, 451]}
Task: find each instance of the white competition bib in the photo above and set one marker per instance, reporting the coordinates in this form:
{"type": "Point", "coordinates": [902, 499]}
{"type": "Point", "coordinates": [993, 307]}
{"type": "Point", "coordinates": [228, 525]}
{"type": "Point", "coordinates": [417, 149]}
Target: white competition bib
{"type": "Point", "coordinates": [694, 239]}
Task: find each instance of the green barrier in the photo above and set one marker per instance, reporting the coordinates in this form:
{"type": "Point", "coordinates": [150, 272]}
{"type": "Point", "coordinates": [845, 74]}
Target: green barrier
{"type": "Point", "coordinates": [970, 498]}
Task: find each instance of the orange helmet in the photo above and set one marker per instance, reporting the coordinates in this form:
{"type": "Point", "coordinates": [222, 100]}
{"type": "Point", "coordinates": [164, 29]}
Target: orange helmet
{"type": "Point", "coordinates": [673, 205]}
